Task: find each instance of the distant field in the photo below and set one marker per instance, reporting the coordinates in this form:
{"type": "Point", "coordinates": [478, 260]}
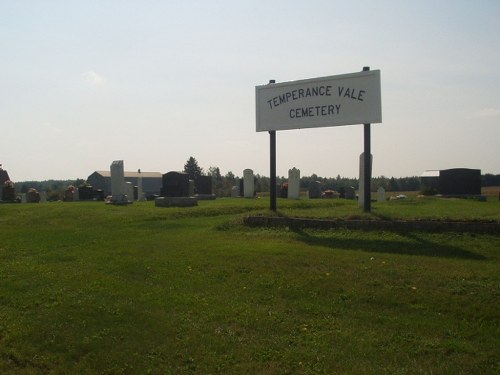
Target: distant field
{"type": "Point", "coordinates": [492, 191]}
{"type": "Point", "coordinates": [88, 288]}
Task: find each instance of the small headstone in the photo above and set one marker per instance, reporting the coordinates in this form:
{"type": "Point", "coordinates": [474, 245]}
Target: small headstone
{"type": "Point", "coordinates": [43, 197]}
{"type": "Point", "coordinates": [248, 183]}
{"type": "Point", "coordinates": [32, 196]}
{"type": "Point", "coordinates": [315, 190]}
{"type": "Point", "coordinates": [129, 191]}
{"type": "Point", "coordinates": [381, 194]}
{"type": "Point", "coordinates": [293, 183]}
{"type": "Point", "coordinates": [235, 192]}
{"type": "Point", "coordinates": [350, 193]}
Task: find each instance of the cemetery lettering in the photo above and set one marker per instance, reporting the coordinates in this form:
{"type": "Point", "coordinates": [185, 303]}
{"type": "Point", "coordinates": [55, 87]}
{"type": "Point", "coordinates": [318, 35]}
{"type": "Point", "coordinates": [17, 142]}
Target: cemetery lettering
{"type": "Point", "coordinates": [314, 111]}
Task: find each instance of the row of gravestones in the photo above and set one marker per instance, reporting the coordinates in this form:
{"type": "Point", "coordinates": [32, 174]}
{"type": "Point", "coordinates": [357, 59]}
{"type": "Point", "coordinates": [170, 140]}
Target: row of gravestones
{"type": "Point", "coordinates": [246, 188]}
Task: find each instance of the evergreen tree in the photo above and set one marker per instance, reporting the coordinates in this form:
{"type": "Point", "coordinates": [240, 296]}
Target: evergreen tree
{"type": "Point", "coordinates": [192, 168]}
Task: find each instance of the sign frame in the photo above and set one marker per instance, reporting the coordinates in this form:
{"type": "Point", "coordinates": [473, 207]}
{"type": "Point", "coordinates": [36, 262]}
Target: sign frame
{"type": "Point", "coordinates": [345, 99]}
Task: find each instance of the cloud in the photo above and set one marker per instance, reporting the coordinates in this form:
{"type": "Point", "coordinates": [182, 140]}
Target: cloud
{"type": "Point", "coordinates": [93, 79]}
{"type": "Point", "coordinates": [487, 112]}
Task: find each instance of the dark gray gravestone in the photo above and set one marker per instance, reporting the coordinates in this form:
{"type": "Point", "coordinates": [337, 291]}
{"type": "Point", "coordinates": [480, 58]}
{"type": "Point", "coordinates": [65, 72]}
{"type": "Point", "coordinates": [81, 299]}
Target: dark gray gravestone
{"type": "Point", "coordinates": [203, 185]}
{"type": "Point", "coordinates": [315, 190]}
{"type": "Point", "coordinates": [350, 193]}
{"type": "Point", "coordinates": [175, 184]}
{"type": "Point", "coordinates": [460, 181]}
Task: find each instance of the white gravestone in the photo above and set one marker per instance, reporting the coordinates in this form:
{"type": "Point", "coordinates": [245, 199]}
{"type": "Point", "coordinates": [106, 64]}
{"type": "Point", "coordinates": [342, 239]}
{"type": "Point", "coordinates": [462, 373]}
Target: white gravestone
{"type": "Point", "coordinates": [129, 191]}
{"type": "Point", "coordinates": [293, 183]}
{"type": "Point", "coordinates": [118, 187]}
{"type": "Point", "coordinates": [361, 193]}
{"type": "Point", "coordinates": [248, 183]}
{"type": "Point", "coordinates": [117, 178]}
{"type": "Point", "coordinates": [381, 194]}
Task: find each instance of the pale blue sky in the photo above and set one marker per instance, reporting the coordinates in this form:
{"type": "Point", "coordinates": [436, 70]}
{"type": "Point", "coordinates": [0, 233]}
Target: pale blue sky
{"type": "Point", "coordinates": [83, 83]}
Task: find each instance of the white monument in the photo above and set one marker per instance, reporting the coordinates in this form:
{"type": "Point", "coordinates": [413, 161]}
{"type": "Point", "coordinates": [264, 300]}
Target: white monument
{"type": "Point", "coordinates": [248, 183]}
{"type": "Point", "coordinates": [381, 194]}
{"type": "Point", "coordinates": [129, 191]}
{"type": "Point", "coordinates": [293, 183]}
{"type": "Point", "coordinates": [361, 190]}
{"type": "Point", "coordinates": [118, 193]}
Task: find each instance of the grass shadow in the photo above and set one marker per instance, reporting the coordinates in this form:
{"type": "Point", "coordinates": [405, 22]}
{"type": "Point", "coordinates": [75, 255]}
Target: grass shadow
{"type": "Point", "coordinates": [417, 245]}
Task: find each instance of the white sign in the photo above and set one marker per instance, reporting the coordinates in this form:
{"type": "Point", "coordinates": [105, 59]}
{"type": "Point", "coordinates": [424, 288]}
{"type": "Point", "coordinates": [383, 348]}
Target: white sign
{"type": "Point", "coordinates": [345, 99]}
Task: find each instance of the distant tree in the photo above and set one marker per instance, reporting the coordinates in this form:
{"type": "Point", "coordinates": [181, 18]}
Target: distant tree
{"type": "Point", "coordinates": [215, 173]}
{"type": "Point", "coordinates": [192, 168]}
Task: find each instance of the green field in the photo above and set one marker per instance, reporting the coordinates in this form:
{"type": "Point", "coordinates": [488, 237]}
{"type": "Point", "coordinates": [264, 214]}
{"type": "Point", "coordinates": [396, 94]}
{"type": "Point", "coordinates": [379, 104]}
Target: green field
{"type": "Point", "coordinates": [91, 288]}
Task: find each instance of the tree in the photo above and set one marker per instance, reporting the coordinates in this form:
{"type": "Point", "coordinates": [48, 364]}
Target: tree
{"type": "Point", "coordinates": [192, 168]}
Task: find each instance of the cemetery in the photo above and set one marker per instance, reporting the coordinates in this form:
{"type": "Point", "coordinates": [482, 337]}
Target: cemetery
{"type": "Point", "coordinates": [306, 275]}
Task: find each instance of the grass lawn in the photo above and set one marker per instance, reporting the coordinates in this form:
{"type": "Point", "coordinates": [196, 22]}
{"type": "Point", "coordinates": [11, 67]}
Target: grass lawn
{"type": "Point", "coordinates": [89, 288]}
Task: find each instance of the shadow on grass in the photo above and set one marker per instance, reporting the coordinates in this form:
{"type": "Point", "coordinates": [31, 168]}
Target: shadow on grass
{"type": "Point", "coordinates": [417, 245]}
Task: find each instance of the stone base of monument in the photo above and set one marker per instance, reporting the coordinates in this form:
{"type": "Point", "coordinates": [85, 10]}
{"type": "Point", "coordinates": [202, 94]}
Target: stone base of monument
{"type": "Point", "coordinates": [205, 197]}
{"type": "Point", "coordinates": [119, 200]}
{"type": "Point", "coordinates": [176, 202]}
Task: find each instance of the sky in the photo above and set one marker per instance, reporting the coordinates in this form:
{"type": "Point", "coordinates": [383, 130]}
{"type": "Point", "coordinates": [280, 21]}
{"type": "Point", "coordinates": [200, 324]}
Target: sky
{"type": "Point", "coordinates": [84, 83]}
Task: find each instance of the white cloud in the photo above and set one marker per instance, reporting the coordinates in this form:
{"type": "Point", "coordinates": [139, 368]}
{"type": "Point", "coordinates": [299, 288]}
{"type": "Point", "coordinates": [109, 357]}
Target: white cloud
{"type": "Point", "coordinates": [487, 112]}
{"type": "Point", "coordinates": [93, 79]}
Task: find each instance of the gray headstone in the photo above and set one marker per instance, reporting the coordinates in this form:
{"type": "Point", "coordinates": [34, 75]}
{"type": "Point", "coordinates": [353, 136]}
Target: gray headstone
{"type": "Point", "coordinates": [381, 194]}
{"type": "Point", "coordinates": [248, 183]}
{"type": "Point", "coordinates": [293, 183]}
{"type": "Point", "coordinates": [235, 191]}
{"type": "Point", "coordinates": [315, 190]}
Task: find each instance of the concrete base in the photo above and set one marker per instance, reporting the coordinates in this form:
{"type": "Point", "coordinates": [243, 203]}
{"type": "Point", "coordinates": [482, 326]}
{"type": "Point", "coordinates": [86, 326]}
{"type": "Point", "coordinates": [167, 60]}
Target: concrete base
{"type": "Point", "coordinates": [176, 202]}
{"type": "Point", "coordinates": [119, 200]}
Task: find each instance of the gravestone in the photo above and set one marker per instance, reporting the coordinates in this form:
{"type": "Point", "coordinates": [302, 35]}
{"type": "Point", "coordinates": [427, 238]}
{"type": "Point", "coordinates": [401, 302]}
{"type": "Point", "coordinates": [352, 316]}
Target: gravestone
{"type": "Point", "coordinates": [203, 188]}
{"type": "Point", "coordinates": [85, 193]}
{"type": "Point", "coordinates": [129, 191]}
{"type": "Point", "coordinates": [381, 194]}
{"type": "Point", "coordinates": [315, 190]}
{"type": "Point", "coordinates": [175, 184]}
{"type": "Point", "coordinates": [293, 183]}
{"type": "Point", "coordinates": [282, 191]}
{"type": "Point", "coordinates": [8, 192]}
{"type": "Point", "coordinates": [361, 192]}
{"type": "Point", "coordinates": [350, 193]}
{"type": "Point", "coordinates": [242, 188]}
{"type": "Point", "coordinates": [69, 194]}
{"type": "Point", "coordinates": [235, 191]}
{"type": "Point", "coordinates": [140, 194]}
{"type": "Point", "coordinates": [248, 183]}
{"type": "Point", "coordinates": [118, 194]}
{"type": "Point", "coordinates": [32, 196]}
{"type": "Point", "coordinates": [175, 191]}
{"type": "Point", "coordinates": [43, 197]}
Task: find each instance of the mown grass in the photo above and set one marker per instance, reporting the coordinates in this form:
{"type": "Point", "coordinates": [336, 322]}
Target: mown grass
{"type": "Point", "coordinates": [90, 288]}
